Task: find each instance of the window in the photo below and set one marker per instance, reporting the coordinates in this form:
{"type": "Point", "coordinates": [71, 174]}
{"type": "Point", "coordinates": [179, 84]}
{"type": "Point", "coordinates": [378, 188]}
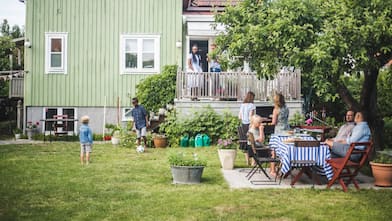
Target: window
{"type": "Point", "coordinates": [126, 114]}
{"type": "Point", "coordinates": [56, 53]}
{"type": "Point", "coordinates": [139, 53]}
{"type": "Point", "coordinates": [70, 113]}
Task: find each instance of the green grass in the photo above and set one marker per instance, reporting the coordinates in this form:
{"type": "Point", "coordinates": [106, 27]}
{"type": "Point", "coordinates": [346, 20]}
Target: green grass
{"type": "Point", "coordinates": [47, 182]}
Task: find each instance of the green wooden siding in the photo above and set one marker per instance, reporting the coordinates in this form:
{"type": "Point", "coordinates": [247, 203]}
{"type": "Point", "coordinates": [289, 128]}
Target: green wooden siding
{"type": "Point", "coordinates": [94, 28]}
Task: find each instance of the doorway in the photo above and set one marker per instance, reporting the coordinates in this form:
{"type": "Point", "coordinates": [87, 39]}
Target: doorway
{"type": "Point", "coordinates": [203, 51]}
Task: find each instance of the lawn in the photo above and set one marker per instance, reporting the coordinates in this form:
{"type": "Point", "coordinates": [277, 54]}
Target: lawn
{"type": "Point", "coordinates": [47, 182]}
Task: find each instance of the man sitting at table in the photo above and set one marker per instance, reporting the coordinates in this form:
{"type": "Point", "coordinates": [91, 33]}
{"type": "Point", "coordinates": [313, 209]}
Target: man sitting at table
{"type": "Point", "coordinates": [345, 129]}
{"type": "Point", "coordinates": [360, 133]}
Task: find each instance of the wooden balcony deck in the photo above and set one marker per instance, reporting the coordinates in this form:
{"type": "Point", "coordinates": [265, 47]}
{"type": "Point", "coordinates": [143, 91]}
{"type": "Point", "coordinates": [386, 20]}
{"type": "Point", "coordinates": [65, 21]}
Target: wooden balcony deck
{"type": "Point", "coordinates": [235, 85]}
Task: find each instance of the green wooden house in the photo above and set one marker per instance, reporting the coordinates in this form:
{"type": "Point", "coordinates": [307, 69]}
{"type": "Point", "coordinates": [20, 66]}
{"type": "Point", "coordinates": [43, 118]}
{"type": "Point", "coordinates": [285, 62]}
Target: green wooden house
{"type": "Point", "coordinates": [85, 57]}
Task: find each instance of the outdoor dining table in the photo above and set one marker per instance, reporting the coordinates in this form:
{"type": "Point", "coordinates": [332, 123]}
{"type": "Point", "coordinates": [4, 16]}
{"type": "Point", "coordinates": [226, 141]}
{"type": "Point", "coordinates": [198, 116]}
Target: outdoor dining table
{"type": "Point", "coordinates": [286, 152]}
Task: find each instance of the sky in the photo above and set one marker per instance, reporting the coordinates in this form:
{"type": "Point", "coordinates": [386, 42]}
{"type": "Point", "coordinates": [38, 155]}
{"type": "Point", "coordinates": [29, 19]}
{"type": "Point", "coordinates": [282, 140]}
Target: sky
{"type": "Point", "coordinates": [13, 11]}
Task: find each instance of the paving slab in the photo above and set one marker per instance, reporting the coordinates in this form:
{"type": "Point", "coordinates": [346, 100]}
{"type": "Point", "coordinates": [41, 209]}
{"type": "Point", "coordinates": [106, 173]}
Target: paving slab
{"type": "Point", "coordinates": [237, 180]}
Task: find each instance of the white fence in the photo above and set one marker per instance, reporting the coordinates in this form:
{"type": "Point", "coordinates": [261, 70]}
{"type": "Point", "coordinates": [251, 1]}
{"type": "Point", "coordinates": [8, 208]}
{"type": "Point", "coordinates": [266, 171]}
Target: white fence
{"type": "Point", "coordinates": [235, 85]}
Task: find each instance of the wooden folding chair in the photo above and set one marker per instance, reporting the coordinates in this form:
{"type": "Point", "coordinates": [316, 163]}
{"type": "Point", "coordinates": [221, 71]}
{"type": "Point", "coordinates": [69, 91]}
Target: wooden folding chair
{"type": "Point", "coordinates": [347, 168]}
{"type": "Point", "coordinates": [260, 155]}
{"type": "Point", "coordinates": [307, 165]}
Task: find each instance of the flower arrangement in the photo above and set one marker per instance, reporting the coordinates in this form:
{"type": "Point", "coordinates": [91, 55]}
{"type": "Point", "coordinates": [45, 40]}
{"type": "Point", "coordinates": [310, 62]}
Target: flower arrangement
{"type": "Point", "coordinates": [183, 159]}
{"type": "Point", "coordinates": [309, 121]}
{"type": "Point", "coordinates": [30, 125]}
{"type": "Point", "coordinates": [226, 144]}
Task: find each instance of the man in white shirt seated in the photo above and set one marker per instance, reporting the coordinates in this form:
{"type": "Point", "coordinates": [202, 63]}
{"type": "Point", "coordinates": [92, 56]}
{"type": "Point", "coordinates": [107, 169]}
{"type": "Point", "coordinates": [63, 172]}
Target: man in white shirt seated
{"type": "Point", "coordinates": [345, 129]}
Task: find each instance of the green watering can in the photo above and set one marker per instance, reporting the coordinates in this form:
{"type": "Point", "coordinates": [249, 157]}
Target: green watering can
{"type": "Point", "coordinates": [184, 142]}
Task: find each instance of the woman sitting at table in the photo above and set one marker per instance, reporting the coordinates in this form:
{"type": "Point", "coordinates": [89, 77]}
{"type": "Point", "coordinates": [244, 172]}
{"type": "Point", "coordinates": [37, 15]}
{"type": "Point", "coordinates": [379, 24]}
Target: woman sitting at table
{"type": "Point", "coordinates": [257, 129]}
{"type": "Point", "coordinates": [280, 114]}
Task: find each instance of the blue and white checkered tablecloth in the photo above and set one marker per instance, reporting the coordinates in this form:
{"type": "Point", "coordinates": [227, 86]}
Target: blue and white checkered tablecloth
{"type": "Point", "coordinates": [286, 153]}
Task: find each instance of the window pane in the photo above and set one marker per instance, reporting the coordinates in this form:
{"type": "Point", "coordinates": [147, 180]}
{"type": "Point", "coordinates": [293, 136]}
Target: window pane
{"type": "Point", "coordinates": [130, 60]}
{"type": "Point", "coordinates": [55, 60]}
{"type": "Point", "coordinates": [131, 45]}
{"type": "Point", "coordinates": [148, 45]}
{"type": "Point", "coordinates": [55, 45]}
{"type": "Point", "coordinates": [148, 60]}
{"type": "Point", "coordinates": [71, 115]}
{"type": "Point", "coordinates": [49, 115]}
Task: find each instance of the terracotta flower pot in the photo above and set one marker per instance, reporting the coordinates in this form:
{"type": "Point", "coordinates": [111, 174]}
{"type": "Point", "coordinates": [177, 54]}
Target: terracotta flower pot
{"type": "Point", "coordinates": [382, 174]}
{"type": "Point", "coordinates": [160, 142]}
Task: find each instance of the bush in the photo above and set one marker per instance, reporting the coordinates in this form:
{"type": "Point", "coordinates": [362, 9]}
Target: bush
{"type": "Point", "coordinates": [156, 91]}
{"type": "Point", "coordinates": [387, 132]}
{"type": "Point", "coordinates": [206, 121]}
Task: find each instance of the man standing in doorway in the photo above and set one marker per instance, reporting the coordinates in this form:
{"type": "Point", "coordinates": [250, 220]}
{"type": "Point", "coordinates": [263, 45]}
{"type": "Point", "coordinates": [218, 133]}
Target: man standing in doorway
{"type": "Point", "coordinates": [140, 121]}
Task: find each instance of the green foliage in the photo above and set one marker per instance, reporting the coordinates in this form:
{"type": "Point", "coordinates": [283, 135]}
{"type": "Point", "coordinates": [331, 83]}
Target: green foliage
{"type": "Point", "coordinates": [6, 46]}
{"type": "Point", "coordinates": [297, 119]}
{"type": "Point", "coordinates": [326, 39]}
{"type": "Point", "coordinates": [186, 159]}
{"type": "Point", "coordinates": [206, 121]}
{"type": "Point", "coordinates": [384, 85]}
{"type": "Point", "coordinates": [156, 91]}
{"type": "Point", "coordinates": [128, 140]}
{"type": "Point", "coordinates": [387, 132]}
{"type": "Point", "coordinates": [383, 158]}
{"type": "Point", "coordinates": [17, 131]}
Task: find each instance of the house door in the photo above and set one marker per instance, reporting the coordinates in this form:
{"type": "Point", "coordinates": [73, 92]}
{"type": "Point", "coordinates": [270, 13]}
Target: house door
{"type": "Point", "coordinates": [203, 51]}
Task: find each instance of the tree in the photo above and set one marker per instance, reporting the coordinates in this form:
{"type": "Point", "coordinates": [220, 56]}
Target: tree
{"type": "Point", "coordinates": [327, 39]}
{"type": "Point", "coordinates": [6, 46]}
{"type": "Point", "coordinates": [156, 91]}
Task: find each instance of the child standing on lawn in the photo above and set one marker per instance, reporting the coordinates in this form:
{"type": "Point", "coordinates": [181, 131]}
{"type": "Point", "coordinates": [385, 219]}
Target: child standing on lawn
{"type": "Point", "coordinates": [86, 140]}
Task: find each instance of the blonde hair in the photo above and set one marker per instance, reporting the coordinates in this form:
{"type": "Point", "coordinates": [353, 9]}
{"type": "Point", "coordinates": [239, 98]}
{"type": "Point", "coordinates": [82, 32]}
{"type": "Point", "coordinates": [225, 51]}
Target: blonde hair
{"type": "Point", "coordinates": [85, 119]}
{"type": "Point", "coordinates": [256, 119]}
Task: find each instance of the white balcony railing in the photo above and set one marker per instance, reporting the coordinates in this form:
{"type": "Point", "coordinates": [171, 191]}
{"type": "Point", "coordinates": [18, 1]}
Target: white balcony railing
{"type": "Point", "coordinates": [235, 85]}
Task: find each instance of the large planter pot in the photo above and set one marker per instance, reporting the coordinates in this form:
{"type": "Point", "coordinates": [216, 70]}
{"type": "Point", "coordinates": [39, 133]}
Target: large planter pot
{"type": "Point", "coordinates": [382, 174]}
{"type": "Point", "coordinates": [160, 142]}
{"type": "Point", "coordinates": [187, 174]}
{"type": "Point", "coordinates": [30, 133]}
{"type": "Point", "coordinates": [227, 158]}
{"type": "Point", "coordinates": [17, 136]}
{"type": "Point", "coordinates": [115, 140]}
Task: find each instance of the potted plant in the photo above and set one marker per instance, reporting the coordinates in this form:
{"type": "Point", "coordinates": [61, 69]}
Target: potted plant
{"type": "Point", "coordinates": [31, 128]}
{"type": "Point", "coordinates": [382, 170]}
{"type": "Point", "coordinates": [17, 132]}
{"type": "Point", "coordinates": [116, 134]}
{"type": "Point", "coordinates": [227, 151]}
{"type": "Point", "coordinates": [186, 168]}
{"type": "Point", "coordinates": [160, 140]}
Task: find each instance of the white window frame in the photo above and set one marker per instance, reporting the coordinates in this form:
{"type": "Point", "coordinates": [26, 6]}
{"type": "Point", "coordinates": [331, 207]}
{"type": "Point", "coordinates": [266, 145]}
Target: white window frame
{"type": "Point", "coordinates": [60, 112]}
{"type": "Point", "coordinates": [139, 69]}
{"type": "Point", "coordinates": [126, 111]}
{"type": "Point", "coordinates": [56, 70]}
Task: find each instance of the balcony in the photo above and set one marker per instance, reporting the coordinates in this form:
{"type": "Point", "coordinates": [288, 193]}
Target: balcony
{"type": "Point", "coordinates": [234, 85]}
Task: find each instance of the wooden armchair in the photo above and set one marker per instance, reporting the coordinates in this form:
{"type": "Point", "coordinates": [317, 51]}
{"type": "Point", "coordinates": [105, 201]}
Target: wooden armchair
{"type": "Point", "coordinates": [347, 167]}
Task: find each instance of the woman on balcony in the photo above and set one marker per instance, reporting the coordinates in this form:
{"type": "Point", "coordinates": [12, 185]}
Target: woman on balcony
{"type": "Point", "coordinates": [193, 68]}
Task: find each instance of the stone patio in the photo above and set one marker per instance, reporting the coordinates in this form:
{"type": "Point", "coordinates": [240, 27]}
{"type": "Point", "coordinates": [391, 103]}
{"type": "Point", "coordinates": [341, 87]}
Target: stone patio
{"type": "Point", "coordinates": [236, 180]}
